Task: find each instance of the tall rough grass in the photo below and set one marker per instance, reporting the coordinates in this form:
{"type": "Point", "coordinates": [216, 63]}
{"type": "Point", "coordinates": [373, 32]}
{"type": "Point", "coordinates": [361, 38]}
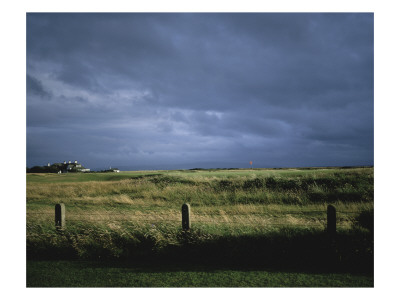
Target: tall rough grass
{"type": "Point", "coordinates": [356, 186]}
{"type": "Point", "coordinates": [137, 214]}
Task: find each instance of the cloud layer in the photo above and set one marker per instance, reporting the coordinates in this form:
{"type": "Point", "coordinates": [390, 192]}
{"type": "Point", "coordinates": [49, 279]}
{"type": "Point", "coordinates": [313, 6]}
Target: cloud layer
{"type": "Point", "coordinates": [154, 91]}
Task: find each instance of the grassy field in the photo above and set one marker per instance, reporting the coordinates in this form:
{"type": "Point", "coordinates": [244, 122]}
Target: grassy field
{"type": "Point", "coordinates": [273, 218]}
{"type": "Point", "coordinates": [95, 274]}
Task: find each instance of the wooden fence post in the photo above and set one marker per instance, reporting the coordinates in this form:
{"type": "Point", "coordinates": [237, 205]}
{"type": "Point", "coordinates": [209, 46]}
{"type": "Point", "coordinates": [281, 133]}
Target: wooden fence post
{"type": "Point", "coordinates": [331, 216]}
{"type": "Point", "coordinates": [186, 216]}
{"type": "Point", "coordinates": [60, 216]}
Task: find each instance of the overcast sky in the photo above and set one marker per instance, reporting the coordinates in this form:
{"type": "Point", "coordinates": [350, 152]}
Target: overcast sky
{"type": "Point", "coordinates": [171, 91]}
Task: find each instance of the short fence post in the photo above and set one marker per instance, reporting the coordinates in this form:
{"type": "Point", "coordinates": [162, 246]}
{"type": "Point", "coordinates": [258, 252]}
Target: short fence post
{"type": "Point", "coordinates": [331, 215]}
{"type": "Point", "coordinates": [186, 216]}
{"type": "Point", "coordinates": [60, 216]}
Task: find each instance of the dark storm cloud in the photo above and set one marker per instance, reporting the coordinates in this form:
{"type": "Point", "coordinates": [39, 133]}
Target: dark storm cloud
{"type": "Point", "coordinates": [200, 89]}
{"type": "Point", "coordinates": [35, 87]}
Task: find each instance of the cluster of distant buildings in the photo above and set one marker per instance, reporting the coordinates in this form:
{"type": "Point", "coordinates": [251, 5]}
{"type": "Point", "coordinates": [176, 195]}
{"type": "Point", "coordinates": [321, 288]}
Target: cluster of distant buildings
{"type": "Point", "coordinates": [64, 167]}
{"type": "Point", "coordinates": [69, 167]}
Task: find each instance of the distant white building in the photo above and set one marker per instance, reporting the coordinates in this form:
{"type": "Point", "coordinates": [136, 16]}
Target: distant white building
{"type": "Point", "coordinates": [71, 167]}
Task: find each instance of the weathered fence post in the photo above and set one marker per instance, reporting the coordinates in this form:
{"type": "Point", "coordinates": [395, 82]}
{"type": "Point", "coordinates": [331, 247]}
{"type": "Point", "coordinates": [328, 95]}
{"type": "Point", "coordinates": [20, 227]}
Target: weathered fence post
{"type": "Point", "coordinates": [60, 216]}
{"type": "Point", "coordinates": [186, 216]}
{"type": "Point", "coordinates": [331, 215]}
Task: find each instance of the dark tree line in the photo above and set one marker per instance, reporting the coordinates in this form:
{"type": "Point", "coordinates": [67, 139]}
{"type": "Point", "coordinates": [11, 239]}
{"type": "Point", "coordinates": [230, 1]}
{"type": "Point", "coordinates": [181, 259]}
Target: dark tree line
{"type": "Point", "coordinates": [45, 169]}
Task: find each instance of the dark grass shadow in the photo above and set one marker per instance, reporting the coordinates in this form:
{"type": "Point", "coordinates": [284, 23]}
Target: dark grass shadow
{"type": "Point", "coordinates": [304, 251]}
{"type": "Point", "coordinates": [120, 274]}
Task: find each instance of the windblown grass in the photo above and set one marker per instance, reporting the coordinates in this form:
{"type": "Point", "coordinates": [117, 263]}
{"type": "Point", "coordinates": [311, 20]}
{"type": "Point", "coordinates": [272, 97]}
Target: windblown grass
{"type": "Point", "coordinates": [252, 197]}
{"type": "Point", "coordinates": [206, 188]}
{"type": "Point", "coordinates": [235, 213]}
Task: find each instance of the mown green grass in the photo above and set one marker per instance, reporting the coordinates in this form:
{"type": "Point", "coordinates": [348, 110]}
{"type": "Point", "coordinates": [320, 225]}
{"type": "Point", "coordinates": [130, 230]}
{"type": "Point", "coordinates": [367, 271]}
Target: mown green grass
{"type": "Point", "coordinates": [95, 274]}
{"type": "Point", "coordinates": [84, 177]}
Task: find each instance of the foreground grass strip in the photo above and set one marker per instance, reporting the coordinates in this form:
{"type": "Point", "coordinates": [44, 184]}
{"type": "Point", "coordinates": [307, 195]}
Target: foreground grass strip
{"type": "Point", "coordinates": [96, 274]}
